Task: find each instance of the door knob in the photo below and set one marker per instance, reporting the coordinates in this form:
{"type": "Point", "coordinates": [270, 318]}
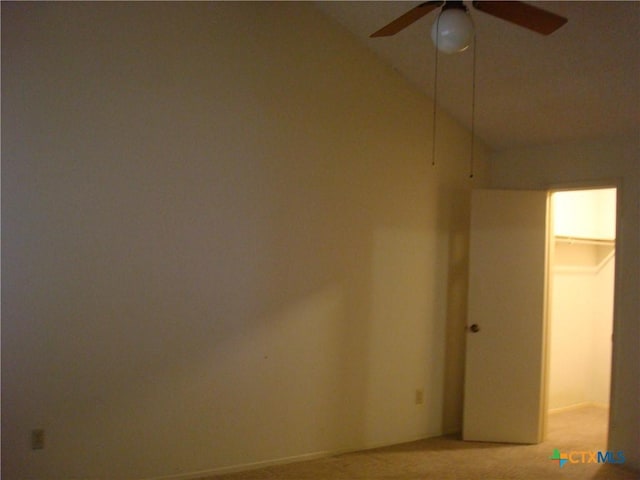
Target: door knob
{"type": "Point", "coordinates": [474, 328]}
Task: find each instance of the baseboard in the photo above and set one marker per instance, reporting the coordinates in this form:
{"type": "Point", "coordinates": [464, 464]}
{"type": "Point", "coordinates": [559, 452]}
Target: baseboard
{"type": "Point", "coordinates": [273, 462]}
{"type": "Point", "coordinates": [243, 467]}
{"type": "Point", "coordinates": [576, 406]}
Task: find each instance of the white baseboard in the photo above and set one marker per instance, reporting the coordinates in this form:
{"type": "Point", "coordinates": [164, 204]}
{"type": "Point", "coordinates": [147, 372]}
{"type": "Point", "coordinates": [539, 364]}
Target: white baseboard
{"type": "Point", "coordinates": [243, 467]}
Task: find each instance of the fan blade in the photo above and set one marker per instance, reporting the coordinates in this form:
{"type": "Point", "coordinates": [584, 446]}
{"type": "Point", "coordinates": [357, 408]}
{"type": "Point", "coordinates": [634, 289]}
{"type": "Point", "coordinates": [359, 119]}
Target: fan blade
{"type": "Point", "coordinates": [522, 14]}
{"type": "Point", "coordinates": [407, 19]}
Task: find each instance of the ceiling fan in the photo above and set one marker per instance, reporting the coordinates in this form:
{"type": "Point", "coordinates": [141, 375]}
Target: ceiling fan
{"type": "Point", "coordinates": [453, 32]}
{"type": "Point", "coordinates": [458, 23]}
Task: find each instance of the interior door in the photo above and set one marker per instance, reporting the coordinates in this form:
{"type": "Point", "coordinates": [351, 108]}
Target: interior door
{"type": "Point", "coordinates": [504, 397]}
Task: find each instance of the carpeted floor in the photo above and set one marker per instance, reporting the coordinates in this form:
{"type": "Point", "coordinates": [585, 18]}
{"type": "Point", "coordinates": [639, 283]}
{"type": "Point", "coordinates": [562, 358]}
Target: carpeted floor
{"type": "Point", "coordinates": [448, 457]}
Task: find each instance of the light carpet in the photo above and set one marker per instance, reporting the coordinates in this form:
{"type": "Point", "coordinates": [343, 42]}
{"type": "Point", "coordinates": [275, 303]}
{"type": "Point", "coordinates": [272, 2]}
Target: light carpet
{"type": "Point", "coordinates": [448, 457]}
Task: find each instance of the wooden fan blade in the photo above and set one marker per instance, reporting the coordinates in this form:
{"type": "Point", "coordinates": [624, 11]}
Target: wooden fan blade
{"type": "Point", "coordinates": [407, 19]}
{"type": "Point", "coordinates": [522, 14]}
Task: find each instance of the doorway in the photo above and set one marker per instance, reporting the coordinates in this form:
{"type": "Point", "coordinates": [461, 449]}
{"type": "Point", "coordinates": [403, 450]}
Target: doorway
{"type": "Point", "coordinates": [581, 283]}
{"type": "Point", "coordinates": [507, 363]}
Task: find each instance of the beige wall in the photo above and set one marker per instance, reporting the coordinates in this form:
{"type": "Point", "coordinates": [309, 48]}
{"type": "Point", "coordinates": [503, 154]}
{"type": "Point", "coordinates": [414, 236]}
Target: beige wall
{"type": "Point", "coordinates": [585, 213]}
{"type": "Point", "coordinates": [613, 161]}
{"type": "Point", "coordinates": [223, 241]}
{"type": "Point", "coordinates": [581, 324]}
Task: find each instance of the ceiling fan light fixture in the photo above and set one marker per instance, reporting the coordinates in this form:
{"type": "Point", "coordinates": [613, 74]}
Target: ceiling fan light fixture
{"type": "Point", "coordinates": [452, 30]}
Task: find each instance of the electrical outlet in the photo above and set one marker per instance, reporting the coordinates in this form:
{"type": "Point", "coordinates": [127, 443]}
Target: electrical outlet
{"type": "Point", "coordinates": [419, 398]}
{"type": "Point", "coordinates": [37, 439]}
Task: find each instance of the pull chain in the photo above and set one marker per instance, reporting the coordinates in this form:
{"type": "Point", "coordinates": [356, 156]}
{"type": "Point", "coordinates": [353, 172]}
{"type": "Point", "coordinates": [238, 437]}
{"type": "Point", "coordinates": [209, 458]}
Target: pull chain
{"type": "Point", "coordinates": [473, 104]}
{"type": "Point", "coordinates": [473, 109]}
{"type": "Point", "coordinates": [435, 97]}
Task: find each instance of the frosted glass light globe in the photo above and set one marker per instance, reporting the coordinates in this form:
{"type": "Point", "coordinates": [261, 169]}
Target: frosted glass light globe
{"type": "Point", "coordinates": [452, 31]}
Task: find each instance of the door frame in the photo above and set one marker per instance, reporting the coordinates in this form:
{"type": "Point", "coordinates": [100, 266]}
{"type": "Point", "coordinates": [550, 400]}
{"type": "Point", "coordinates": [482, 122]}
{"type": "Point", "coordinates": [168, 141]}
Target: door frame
{"type": "Point", "coordinates": [594, 185]}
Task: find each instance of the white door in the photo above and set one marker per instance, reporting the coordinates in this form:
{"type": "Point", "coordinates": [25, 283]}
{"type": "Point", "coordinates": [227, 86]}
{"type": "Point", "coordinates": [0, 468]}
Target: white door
{"type": "Point", "coordinates": [504, 397]}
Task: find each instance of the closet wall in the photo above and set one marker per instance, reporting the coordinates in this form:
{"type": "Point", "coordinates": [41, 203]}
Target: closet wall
{"type": "Point", "coordinates": [582, 281]}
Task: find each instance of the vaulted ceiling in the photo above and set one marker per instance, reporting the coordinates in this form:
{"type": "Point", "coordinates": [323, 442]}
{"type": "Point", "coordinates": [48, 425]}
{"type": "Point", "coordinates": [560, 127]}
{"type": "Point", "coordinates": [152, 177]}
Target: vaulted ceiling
{"type": "Point", "coordinates": [581, 82]}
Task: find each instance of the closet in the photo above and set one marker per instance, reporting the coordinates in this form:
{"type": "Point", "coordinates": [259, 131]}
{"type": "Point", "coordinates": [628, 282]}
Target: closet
{"type": "Point", "coordinates": [581, 297]}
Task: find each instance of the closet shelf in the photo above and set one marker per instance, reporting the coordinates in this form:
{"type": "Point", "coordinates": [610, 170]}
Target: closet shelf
{"type": "Point", "coordinates": [573, 254]}
{"type": "Point", "coordinates": [585, 241]}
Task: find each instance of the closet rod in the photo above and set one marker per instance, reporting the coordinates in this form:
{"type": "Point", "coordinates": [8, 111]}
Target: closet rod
{"type": "Point", "coordinates": [585, 241]}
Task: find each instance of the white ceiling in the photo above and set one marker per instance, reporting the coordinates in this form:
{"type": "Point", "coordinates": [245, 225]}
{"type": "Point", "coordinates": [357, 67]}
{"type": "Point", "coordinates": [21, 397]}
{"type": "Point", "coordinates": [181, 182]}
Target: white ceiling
{"type": "Point", "coordinates": [583, 81]}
